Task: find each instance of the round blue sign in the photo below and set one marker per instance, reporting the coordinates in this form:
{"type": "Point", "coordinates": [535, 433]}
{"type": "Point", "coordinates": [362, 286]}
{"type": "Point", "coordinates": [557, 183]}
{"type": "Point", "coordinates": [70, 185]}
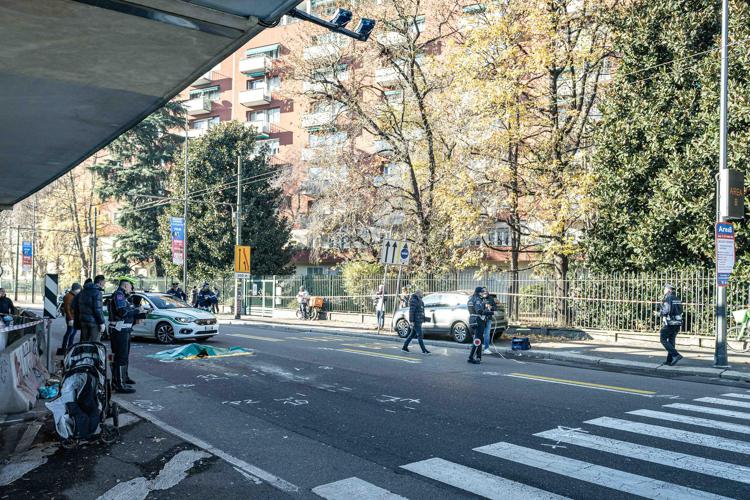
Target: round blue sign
{"type": "Point", "coordinates": [405, 253]}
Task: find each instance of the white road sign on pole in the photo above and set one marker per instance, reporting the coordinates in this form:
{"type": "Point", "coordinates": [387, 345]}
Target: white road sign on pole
{"type": "Point", "coordinates": [404, 253]}
{"type": "Point", "coordinates": [389, 251]}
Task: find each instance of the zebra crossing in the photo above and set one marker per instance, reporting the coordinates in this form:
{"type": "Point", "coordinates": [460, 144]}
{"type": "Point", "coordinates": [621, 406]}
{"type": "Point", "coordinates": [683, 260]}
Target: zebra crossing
{"type": "Point", "coordinates": [594, 435]}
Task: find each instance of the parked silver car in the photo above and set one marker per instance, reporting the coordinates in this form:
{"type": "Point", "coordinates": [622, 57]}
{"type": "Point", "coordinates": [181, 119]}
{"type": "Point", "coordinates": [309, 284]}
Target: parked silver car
{"type": "Point", "coordinates": [447, 314]}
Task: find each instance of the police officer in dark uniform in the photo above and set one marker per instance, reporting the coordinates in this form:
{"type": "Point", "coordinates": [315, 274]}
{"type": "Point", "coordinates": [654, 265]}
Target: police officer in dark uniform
{"type": "Point", "coordinates": [177, 292]}
{"type": "Point", "coordinates": [121, 317]}
{"type": "Point", "coordinates": [477, 319]}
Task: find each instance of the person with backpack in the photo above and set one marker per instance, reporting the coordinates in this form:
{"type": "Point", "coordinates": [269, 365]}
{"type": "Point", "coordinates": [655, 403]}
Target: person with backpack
{"type": "Point", "coordinates": [671, 315]}
{"type": "Point", "coordinates": [378, 301]}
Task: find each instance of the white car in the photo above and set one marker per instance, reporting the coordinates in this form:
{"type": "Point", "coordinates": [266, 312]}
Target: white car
{"type": "Point", "coordinates": [169, 319]}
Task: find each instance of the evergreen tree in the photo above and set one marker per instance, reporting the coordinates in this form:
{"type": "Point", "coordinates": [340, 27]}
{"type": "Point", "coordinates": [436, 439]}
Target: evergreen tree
{"type": "Point", "coordinates": [135, 172]}
{"type": "Point", "coordinates": [658, 141]}
{"type": "Point", "coordinates": [212, 175]}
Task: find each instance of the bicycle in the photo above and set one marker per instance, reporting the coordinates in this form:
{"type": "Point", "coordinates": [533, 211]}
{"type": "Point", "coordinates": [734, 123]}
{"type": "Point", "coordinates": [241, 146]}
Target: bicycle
{"type": "Point", "coordinates": [741, 331]}
{"type": "Point", "coordinates": [312, 310]}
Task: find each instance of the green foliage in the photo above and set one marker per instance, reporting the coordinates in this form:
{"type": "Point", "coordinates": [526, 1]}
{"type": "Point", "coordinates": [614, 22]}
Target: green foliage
{"type": "Point", "coordinates": [212, 174]}
{"type": "Point", "coordinates": [657, 146]}
{"type": "Point", "coordinates": [358, 280]}
{"type": "Point", "coordinates": [135, 171]}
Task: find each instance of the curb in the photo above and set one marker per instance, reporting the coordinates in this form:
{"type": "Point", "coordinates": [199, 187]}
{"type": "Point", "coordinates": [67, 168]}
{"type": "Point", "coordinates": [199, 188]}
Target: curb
{"type": "Point", "coordinates": [655, 369]}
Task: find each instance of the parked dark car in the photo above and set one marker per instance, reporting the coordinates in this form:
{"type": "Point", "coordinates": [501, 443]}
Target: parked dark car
{"type": "Point", "coordinates": [448, 315]}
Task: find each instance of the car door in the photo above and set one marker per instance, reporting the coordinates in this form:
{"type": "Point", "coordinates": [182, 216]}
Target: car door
{"type": "Point", "coordinates": [431, 305]}
{"type": "Point", "coordinates": [445, 312]}
{"type": "Point", "coordinates": [145, 327]}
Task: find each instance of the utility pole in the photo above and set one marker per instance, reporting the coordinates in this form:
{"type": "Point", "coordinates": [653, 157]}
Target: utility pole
{"type": "Point", "coordinates": [15, 276]}
{"type": "Point", "coordinates": [185, 213]}
{"type": "Point", "coordinates": [33, 253]}
{"type": "Point", "coordinates": [238, 240]}
{"type": "Point", "coordinates": [720, 353]}
{"type": "Point", "coordinates": [93, 244]}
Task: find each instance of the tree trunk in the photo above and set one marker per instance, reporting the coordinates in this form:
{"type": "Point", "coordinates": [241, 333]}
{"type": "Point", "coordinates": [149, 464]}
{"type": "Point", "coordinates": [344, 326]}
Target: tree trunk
{"type": "Point", "coordinates": [562, 315]}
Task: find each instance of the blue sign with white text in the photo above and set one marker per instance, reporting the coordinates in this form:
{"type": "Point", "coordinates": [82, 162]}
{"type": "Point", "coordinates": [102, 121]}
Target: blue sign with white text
{"type": "Point", "coordinates": [177, 227]}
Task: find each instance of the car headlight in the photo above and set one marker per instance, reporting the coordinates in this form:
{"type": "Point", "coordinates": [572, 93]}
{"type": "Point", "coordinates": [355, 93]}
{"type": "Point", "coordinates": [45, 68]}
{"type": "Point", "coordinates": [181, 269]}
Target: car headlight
{"type": "Point", "coordinates": [183, 319]}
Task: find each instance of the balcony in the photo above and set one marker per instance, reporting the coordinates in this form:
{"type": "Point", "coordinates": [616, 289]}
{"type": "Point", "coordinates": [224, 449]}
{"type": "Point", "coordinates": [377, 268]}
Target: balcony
{"type": "Point", "coordinates": [319, 119]}
{"type": "Point", "coordinates": [255, 66]}
{"type": "Point", "coordinates": [325, 80]}
{"type": "Point", "coordinates": [197, 106]}
{"type": "Point", "coordinates": [262, 127]}
{"type": "Point", "coordinates": [385, 76]}
{"type": "Point", "coordinates": [206, 78]}
{"type": "Point", "coordinates": [320, 51]}
{"type": "Point", "coordinates": [255, 97]}
{"type": "Point", "coordinates": [391, 38]}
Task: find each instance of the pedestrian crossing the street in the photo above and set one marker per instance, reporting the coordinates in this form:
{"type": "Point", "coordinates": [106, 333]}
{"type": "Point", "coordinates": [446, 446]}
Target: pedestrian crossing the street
{"type": "Point", "coordinates": [700, 429]}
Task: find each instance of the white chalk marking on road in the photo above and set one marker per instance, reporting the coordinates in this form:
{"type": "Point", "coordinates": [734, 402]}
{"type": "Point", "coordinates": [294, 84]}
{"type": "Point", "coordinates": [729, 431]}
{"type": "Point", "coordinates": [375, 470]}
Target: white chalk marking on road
{"type": "Point", "coordinates": [595, 474]}
{"type": "Point", "coordinates": [256, 337]}
{"type": "Point", "coordinates": [476, 481]}
{"type": "Point", "coordinates": [725, 402]}
{"type": "Point", "coordinates": [22, 464]}
{"type": "Point", "coordinates": [393, 357]}
{"type": "Point", "coordinates": [700, 422]}
{"type": "Point", "coordinates": [675, 459]}
{"type": "Point", "coordinates": [708, 409]}
{"type": "Point", "coordinates": [354, 487]}
{"type": "Point", "coordinates": [658, 431]}
{"type": "Point", "coordinates": [250, 469]}
{"type": "Point", "coordinates": [735, 395]}
{"type": "Point", "coordinates": [170, 476]}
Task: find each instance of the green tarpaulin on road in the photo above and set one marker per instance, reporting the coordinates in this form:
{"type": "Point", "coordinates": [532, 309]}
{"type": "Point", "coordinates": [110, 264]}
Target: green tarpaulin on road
{"type": "Point", "coordinates": [193, 351]}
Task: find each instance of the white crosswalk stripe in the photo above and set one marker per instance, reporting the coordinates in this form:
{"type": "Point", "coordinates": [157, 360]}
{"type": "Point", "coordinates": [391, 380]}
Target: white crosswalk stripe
{"type": "Point", "coordinates": [476, 481]}
{"type": "Point", "coordinates": [696, 438]}
{"type": "Point", "coordinates": [354, 487]}
{"type": "Point", "coordinates": [683, 461]}
{"type": "Point", "coordinates": [725, 402]}
{"type": "Point", "coordinates": [595, 474]}
{"type": "Point", "coordinates": [709, 410]}
{"type": "Point", "coordinates": [700, 422]}
{"type": "Point", "coordinates": [735, 395]}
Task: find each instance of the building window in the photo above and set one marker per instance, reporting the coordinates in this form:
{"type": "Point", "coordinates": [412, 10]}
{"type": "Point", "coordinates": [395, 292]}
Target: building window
{"type": "Point", "coordinates": [269, 51]}
{"type": "Point", "coordinates": [321, 139]}
{"type": "Point", "coordinates": [394, 96]}
{"type": "Point", "coordinates": [323, 7]}
{"type": "Point", "coordinates": [272, 144]}
{"type": "Point", "coordinates": [499, 236]}
{"type": "Point", "coordinates": [205, 123]}
{"type": "Point", "coordinates": [212, 93]}
{"type": "Point", "coordinates": [271, 115]}
{"type": "Point", "coordinates": [314, 271]}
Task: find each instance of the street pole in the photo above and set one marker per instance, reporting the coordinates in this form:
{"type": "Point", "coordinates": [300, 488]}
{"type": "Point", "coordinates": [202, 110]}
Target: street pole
{"type": "Point", "coordinates": [720, 354]}
{"type": "Point", "coordinates": [33, 253]}
{"type": "Point", "coordinates": [238, 240]}
{"type": "Point", "coordinates": [93, 244]}
{"type": "Point", "coordinates": [185, 214]}
{"type": "Point", "coordinates": [15, 277]}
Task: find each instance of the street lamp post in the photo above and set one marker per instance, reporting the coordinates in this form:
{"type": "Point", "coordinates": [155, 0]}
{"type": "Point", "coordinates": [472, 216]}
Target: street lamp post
{"type": "Point", "coordinates": [185, 213]}
{"type": "Point", "coordinates": [720, 353]}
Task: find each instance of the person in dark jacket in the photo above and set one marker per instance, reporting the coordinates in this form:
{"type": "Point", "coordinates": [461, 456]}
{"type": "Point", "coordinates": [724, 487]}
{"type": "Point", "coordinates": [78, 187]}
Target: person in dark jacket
{"type": "Point", "coordinates": [177, 292]}
{"type": "Point", "coordinates": [477, 319]}
{"type": "Point", "coordinates": [91, 315]}
{"type": "Point", "coordinates": [416, 318]}
{"type": "Point", "coordinates": [671, 315]}
{"type": "Point", "coordinates": [6, 305]}
{"type": "Point", "coordinates": [206, 297]}
{"type": "Point", "coordinates": [122, 315]}
{"type": "Point", "coordinates": [70, 331]}
{"type": "Point", "coordinates": [490, 306]}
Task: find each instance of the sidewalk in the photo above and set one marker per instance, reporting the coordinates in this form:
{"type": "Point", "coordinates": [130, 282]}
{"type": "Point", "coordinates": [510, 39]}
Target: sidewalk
{"type": "Point", "coordinates": [643, 355]}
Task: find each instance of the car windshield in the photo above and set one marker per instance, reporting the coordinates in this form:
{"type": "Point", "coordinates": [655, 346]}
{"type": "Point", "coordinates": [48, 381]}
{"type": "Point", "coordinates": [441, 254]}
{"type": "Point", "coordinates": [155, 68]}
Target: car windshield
{"type": "Point", "coordinates": [166, 302]}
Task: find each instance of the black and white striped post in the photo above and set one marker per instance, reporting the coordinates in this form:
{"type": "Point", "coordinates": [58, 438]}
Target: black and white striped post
{"type": "Point", "coordinates": [50, 312]}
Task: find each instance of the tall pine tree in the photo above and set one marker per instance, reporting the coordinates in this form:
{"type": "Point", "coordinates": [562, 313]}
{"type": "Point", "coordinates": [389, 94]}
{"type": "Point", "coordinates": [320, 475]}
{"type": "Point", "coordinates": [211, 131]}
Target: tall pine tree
{"type": "Point", "coordinates": [135, 172]}
{"type": "Point", "coordinates": [658, 141]}
{"type": "Point", "coordinates": [212, 174]}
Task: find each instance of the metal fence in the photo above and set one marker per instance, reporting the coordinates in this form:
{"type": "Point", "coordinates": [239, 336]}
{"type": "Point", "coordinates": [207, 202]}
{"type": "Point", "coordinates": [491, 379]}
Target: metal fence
{"type": "Point", "coordinates": [614, 302]}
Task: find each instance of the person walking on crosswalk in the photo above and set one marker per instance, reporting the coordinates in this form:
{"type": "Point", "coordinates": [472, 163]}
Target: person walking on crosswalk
{"type": "Point", "coordinates": [671, 315]}
{"type": "Point", "coordinates": [416, 318]}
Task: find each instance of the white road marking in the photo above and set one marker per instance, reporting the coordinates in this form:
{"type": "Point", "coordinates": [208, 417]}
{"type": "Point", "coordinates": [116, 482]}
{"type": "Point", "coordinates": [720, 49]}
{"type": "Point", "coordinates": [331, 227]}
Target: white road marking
{"type": "Point", "coordinates": [255, 337]}
{"type": "Point", "coordinates": [658, 431]}
{"type": "Point", "coordinates": [476, 481]}
{"type": "Point", "coordinates": [654, 455]}
{"type": "Point", "coordinates": [170, 476]}
{"type": "Point", "coordinates": [708, 409]}
{"type": "Point", "coordinates": [700, 422]}
{"type": "Point", "coordinates": [22, 464]}
{"type": "Point", "coordinates": [735, 395]}
{"type": "Point", "coordinates": [354, 487]}
{"type": "Point", "coordinates": [595, 474]}
{"type": "Point", "coordinates": [250, 469]}
{"type": "Point", "coordinates": [725, 402]}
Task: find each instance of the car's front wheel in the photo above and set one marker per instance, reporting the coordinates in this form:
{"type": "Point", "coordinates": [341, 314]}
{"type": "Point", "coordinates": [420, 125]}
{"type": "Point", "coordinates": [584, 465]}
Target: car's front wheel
{"type": "Point", "coordinates": [460, 332]}
{"type": "Point", "coordinates": [402, 328]}
{"type": "Point", "coordinates": [164, 333]}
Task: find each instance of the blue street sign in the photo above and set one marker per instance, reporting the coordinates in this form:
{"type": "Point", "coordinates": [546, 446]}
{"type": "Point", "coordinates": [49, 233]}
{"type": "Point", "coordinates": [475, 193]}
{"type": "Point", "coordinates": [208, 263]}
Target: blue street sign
{"type": "Point", "coordinates": [177, 228]}
{"type": "Point", "coordinates": [27, 249]}
{"type": "Point", "coordinates": [405, 252]}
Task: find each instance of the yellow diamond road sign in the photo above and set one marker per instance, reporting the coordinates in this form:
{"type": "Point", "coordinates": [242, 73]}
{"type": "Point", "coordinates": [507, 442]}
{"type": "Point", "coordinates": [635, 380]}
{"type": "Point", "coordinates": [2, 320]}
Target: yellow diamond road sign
{"type": "Point", "coordinates": [242, 261]}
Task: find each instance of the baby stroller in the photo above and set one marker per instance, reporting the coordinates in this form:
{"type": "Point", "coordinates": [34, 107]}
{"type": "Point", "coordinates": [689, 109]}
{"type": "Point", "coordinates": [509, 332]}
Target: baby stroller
{"type": "Point", "coordinates": [85, 397]}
